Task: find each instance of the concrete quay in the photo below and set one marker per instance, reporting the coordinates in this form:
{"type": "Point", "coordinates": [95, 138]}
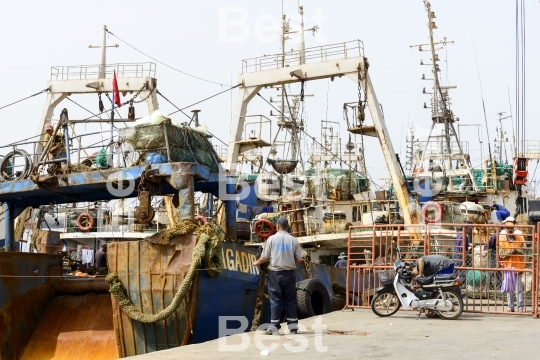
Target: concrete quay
{"type": "Point", "coordinates": [360, 334]}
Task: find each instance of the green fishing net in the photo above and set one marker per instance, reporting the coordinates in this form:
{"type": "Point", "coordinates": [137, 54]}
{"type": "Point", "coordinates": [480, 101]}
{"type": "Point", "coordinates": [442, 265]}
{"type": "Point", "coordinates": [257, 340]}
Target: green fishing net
{"type": "Point", "coordinates": [102, 159]}
{"type": "Point", "coordinates": [177, 143]}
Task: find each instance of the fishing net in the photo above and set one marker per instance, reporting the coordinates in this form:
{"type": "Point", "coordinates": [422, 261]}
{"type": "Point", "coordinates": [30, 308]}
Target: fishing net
{"type": "Point", "coordinates": [341, 184]}
{"type": "Point", "coordinates": [167, 141]}
{"type": "Point", "coordinates": [207, 251]}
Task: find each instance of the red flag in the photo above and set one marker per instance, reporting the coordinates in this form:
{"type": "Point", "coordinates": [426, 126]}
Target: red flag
{"type": "Point", "coordinates": [116, 94]}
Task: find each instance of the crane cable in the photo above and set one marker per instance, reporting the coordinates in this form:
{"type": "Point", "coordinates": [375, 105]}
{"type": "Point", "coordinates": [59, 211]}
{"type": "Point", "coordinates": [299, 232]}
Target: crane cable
{"type": "Point", "coordinates": [28, 97]}
{"type": "Point", "coordinates": [520, 76]}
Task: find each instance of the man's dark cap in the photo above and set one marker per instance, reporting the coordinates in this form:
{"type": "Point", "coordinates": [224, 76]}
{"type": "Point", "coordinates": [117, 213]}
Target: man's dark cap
{"type": "Point", "coordinates": [283, 222]}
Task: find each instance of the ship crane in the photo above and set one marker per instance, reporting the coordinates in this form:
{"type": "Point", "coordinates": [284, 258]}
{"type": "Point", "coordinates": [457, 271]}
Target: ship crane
{"type": "Point", "coordinates": [310, 64]}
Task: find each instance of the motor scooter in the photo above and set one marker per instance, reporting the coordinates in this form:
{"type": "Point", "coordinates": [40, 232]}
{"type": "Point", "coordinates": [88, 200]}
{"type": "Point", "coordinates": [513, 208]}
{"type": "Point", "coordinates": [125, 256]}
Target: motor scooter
{"type": "Point", "coordinates": [439, 293]}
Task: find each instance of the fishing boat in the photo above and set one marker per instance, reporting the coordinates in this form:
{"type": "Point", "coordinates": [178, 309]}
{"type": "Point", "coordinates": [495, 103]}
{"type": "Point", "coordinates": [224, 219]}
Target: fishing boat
{"type": "Point", "coordinates": [326, 189]}
{"type": "Point", "coordinates": [173, 270]}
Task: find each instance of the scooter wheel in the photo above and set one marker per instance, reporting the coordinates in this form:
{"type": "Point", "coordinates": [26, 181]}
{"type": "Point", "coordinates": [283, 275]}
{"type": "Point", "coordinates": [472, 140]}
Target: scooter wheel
{"type": "Point", "coordinates": [385, 304]}
{"type": "Point", "coordinates": [457, 307]}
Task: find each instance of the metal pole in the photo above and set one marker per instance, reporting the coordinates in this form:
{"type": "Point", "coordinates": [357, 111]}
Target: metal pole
{"type": "Point", "coordinates": [103, 54]}
{"type": "Point", "coordinates": [9, 227]}
{"type": "Point", "coordinates": [78, 152]}
{"type": "Point", "coordinates": [66, 137]}
{"type": "Point", "coordinates": [230, 208]}
{"type": "Point", "coordinates": [302, 45]}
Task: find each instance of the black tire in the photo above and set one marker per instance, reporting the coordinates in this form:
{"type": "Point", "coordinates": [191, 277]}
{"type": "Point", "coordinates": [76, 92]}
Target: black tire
{"type": "Point", "coordinates": [385, 304]}
{"type": "Point", "coordinates": [456, 310]}
{"type": "Point", "coordinates": [7, 170]}
{"type": "Point", "coordinates": [312, 298]}
{"type": "Point", "coordinates": [30, 162]}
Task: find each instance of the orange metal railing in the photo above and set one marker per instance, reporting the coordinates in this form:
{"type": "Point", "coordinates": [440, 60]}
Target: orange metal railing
{"type": "Point", "coordinates": [373, 249]}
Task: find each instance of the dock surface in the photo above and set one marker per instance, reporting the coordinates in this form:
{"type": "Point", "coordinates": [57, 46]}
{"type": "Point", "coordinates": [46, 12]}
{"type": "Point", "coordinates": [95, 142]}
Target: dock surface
{"type": "Point", "coordinates": [360, 334]}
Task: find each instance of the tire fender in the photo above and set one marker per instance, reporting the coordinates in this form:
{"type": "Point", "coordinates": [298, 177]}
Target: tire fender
{"type": "Point", "coordinates": [312, 298]}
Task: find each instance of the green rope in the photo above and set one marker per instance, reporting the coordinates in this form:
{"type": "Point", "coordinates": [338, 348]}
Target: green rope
{"type": "Point", "coordinates": [207, 250]}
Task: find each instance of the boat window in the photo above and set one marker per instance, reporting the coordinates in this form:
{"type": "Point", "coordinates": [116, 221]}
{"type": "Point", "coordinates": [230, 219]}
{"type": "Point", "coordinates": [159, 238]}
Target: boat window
{"type": "Point", "coordinates": [354, 213]}
{"type": "Point", "coordinates": [364, 209]}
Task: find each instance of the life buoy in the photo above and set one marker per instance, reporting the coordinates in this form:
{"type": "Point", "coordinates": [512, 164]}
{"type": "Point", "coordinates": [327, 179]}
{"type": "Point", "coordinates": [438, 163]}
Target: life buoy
{"type": "Point", "coordinates": [417, 170]}
{"type": "Point", "coordinates": [199, 219]}
{"type": "Point", "coordinates": [264, 228]}
{"type": "Point", "coordinates": [85, 222]}
{"type": "Point", "coordinates": [438, 210]}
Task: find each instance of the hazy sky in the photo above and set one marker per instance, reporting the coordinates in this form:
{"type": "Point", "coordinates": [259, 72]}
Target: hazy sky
{"type": "Point", "coordinates": [186, 34]}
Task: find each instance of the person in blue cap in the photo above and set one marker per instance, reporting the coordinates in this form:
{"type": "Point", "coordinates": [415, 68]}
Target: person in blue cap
{"type": "Point", "coordinates": [342, 262]}
{"type": "Point", "coordinates": [283, 251]}
{"type": "Point", "coordinates": [501, 212]}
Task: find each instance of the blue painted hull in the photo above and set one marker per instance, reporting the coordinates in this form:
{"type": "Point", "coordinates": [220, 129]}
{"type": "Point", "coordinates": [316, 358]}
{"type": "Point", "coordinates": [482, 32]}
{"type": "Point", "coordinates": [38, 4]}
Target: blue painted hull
{"type": "Point", "coordinates": [152, 275]}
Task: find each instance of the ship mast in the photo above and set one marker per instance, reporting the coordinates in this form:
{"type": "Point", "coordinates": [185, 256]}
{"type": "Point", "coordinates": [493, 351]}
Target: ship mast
{"type": "Point", "coordinates": [443, 144]}
{"type": "Point", "coordinates": [290, 104]}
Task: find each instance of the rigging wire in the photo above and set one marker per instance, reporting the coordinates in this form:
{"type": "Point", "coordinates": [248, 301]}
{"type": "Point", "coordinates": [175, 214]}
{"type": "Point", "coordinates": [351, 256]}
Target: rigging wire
{"type": "Point", "coordinates": [208, 98]}
{"type": "Point", "coordinates": [115, 107]}
{"type": "Point", "coordinates": [28, 97]}
{"type": "Point", "coordinates": [514, 148]}
{"type": "Point", "coordinates": [94, 115]}
{"type": "Point", "coordinates": [79, 105]}
{"type": "Point", "coordinates": [520, 77]}
{"type": "Point", "coordinates": [162, 63]}
{"type": "Point", "coordinates": [482, 94]}
{"type": "Point", "coordinates": [170, 102]}
{"type": "Point", "coordinates": [523, 78]}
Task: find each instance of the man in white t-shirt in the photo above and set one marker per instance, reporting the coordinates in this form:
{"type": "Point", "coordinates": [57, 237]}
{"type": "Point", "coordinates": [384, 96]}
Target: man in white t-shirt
{"type": "Point", "coordinates": [283, 251]}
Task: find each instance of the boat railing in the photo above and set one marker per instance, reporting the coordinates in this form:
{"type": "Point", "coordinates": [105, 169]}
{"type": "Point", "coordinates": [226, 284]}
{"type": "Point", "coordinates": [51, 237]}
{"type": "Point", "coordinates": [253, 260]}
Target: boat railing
{"type": "Point", "coordinates": [315, 54]}
{"type": "Point", "coordinates": [334, 151]}
{"type": "Point", "coordinates": [256, 128]}
{"type": "Point", "coordinates": [107, 219]}
{"type": "Point", "coordinates": [24, 155]}
{"type": "Point", "coordinates": [532, 149]}
{"type": "Point", "coordinates": [434, 150]}
{"type": "Point", "coordinates": [123, 70]}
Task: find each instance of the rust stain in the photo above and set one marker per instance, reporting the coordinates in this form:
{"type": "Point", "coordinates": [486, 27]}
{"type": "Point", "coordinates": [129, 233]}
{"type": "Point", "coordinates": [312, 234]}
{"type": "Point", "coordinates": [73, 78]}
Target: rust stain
{"type": "Point", "coordinates": [74, 327]}
{"type": "Point", "coordinates": [18, 319]}
{"type": "Point", "coordinates": [161, 271]}
{"type": "Point", "coordinates": [23, 299]}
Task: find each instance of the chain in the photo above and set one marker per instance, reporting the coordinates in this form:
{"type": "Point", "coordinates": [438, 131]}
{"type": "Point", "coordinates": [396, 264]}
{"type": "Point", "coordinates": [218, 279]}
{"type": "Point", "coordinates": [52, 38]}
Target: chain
{"type": "Point", "coordinates": [361, 104]}
{"type": "Point", "coordinates": [133, 101]}
{"type": "Point", "coordinates": [142, 183]}
{"type": "Point", "coordinates": [302, 91]}
{"type": "Point", "coordinates": [308, 268]}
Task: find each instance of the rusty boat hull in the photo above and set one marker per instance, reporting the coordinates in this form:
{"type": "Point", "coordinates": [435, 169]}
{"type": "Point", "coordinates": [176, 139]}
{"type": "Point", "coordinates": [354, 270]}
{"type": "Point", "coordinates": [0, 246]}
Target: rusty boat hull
{"type": "Point", "coordinates": [44, 315]}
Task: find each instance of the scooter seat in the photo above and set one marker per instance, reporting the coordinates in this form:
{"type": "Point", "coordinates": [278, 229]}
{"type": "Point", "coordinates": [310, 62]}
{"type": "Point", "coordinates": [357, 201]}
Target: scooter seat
{"type": "Point", "coordinates": [425, 280]}
{"type": "Point", "coordinates": [445, 277]}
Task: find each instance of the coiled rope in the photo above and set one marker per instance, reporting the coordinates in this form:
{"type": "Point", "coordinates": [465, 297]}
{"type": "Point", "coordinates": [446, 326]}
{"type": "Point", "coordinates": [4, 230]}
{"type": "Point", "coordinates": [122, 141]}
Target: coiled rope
{"type": "Point", "coordinates": [207, 250]}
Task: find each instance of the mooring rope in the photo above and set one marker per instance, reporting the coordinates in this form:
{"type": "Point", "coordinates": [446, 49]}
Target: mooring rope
{"type": "Point", "coordinates": [207, 250]}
